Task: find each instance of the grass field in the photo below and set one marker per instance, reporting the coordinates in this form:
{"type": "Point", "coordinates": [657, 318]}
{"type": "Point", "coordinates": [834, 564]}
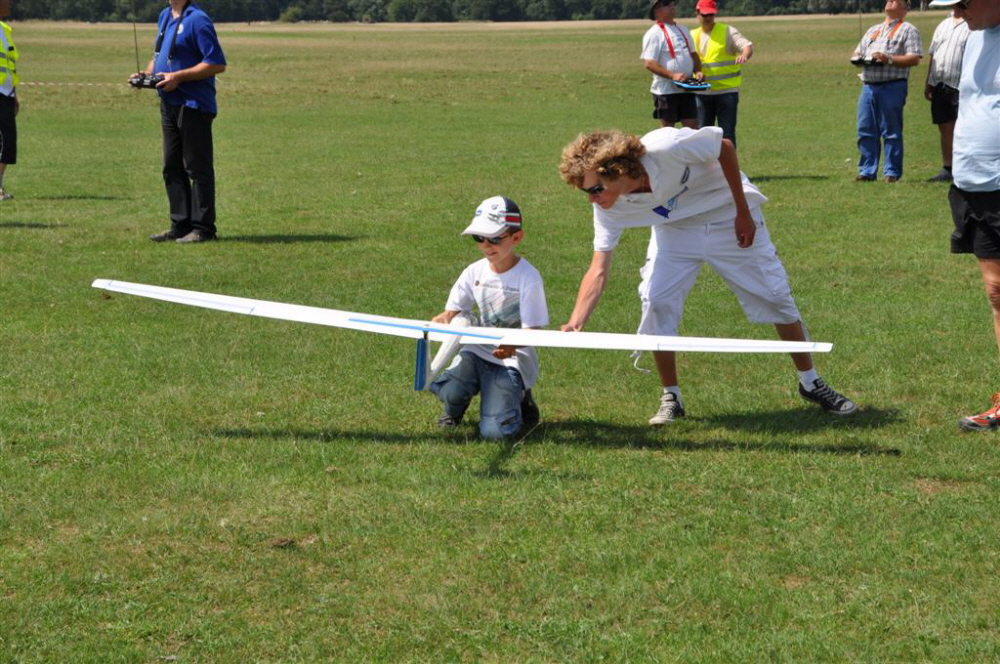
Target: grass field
{"type": "Point", "coordinates": [193, 486]}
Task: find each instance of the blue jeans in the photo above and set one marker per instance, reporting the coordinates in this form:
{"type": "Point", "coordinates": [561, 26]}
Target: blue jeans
{"type": "Point", "coordinates": [880, 116]}
{"type": "Point", "coordinates": [722, 108]}
{"type": "Point", "coordinates": [501, 391]}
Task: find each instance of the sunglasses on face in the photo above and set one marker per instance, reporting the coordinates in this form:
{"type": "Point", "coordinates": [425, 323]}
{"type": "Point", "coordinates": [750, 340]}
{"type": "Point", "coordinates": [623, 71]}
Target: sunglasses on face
{"type": "Point", "coordinates": [593, 191]}
{"type": "Point", "coordinates": [479, 239]}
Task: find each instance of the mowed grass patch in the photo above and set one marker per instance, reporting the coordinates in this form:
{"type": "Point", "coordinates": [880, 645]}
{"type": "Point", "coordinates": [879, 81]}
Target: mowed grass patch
{"type": "Point", "coordinates": [188, 484]}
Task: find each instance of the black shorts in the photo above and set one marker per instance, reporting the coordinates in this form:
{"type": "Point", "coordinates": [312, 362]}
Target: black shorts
{"type": "Point", "coordinates": [944, 104]}
{"type": "Point", "coordinates": [977, 222]}
{"type": "Point", "coordinates": [674, 108]}
{"type": "Point", "coordinates": [8, 131]}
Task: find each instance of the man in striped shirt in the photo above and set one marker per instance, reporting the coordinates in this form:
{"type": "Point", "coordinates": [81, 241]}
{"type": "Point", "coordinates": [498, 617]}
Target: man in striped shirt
{"type": "Point", "coordinates": [941, 87]}
{"type": "Point", "coordinates": [886, 53]}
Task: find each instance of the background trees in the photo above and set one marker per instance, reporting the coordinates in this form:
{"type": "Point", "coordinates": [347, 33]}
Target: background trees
{"type": "Point", "coordinates": [418, 10]}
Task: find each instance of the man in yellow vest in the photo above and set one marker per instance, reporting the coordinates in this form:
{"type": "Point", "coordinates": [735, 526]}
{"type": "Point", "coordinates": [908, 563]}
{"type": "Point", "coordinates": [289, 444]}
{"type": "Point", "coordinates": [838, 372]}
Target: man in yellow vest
{"type": "Point", "coordinates": [9, 106]}
{"type": "Point", "coordinates": [722, 50]}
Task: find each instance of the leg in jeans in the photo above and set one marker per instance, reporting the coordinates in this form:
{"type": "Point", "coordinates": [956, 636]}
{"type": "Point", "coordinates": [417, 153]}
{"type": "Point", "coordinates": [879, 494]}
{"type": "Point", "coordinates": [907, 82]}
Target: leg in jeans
{"type": "Point", "coordinates": [725, 109]}
{"type": "Point", "coordinates": [706, 110]}
{"type": "Point", "coordinates": [500, 407]}
{"type": "Point", "coordinates": [456, 386]}
{"type": "Point", "coordinates": [891, 100]}
{"type": "Point", "coordinates": [868, 133]}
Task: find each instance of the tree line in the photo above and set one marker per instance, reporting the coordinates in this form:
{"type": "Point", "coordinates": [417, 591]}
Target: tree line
{"type": "Point", "coordinates": [407, 11]}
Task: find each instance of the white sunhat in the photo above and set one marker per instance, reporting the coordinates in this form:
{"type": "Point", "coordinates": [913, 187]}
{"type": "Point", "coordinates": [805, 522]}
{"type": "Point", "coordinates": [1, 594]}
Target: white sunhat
{"type": "Point", "coordinates": [494, 216]}
{"type": "Point", "coordinates": [944, 3]}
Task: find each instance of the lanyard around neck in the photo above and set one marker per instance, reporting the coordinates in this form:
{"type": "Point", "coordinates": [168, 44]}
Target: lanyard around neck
{"type": "Point", "coordinates": [891, 32]}
{"type": "Point", "coordinates": [163, 32]}
{"type": "Point", "coordinates": [670, 44]}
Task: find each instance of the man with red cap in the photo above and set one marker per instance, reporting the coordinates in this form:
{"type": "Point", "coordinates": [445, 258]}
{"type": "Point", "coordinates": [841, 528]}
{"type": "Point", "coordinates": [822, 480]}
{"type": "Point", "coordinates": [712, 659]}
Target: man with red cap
{"type": "Point", "coordinates": [722, 50]}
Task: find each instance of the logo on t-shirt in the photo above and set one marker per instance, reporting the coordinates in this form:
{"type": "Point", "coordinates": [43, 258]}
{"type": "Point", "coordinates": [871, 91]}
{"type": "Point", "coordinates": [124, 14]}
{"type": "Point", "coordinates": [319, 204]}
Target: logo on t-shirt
{"type": "Point", "coordinates": [665, 210]}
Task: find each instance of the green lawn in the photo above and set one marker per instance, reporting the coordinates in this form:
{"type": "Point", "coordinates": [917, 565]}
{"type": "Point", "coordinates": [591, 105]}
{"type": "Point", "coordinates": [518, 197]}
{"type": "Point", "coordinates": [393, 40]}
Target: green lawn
{"type": "Point", "coordinates": [194, 486]}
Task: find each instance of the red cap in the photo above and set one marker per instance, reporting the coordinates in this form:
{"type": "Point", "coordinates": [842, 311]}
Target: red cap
{"type": "Point", "coordinates": [707, 7]}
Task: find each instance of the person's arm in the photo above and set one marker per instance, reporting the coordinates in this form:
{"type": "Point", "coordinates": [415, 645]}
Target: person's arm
{"type": "Point", "coordinates": [445, 317]}
{"type": "Point", "coordinates": [744, 225]}
{"type": "Point", "coordinates": [202, 70]}
{"type": "Point", "coordinates": [928, 90]}
{"type": "Point", "coordinates": [591, 287]}
{"type": "Point", "coordinates": [698, 75]}
{"type": "Point", "coordinates": [660, 70]}
{"type": "Point", "coordinates": [908, 60]}
{"type": "Point", "coordinates": [745, 54]}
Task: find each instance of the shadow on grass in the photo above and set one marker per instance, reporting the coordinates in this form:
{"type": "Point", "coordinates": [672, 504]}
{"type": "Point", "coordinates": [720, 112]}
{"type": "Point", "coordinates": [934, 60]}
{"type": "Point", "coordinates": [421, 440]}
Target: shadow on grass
{"type": "Point", "coordinates": [28, 224]}
{"type": "Point", "coordinates": [79, 197]}
{"type": "Point", "coordinates": [776, 178]}
{"type": "Point", "coordinates": [287, 239]}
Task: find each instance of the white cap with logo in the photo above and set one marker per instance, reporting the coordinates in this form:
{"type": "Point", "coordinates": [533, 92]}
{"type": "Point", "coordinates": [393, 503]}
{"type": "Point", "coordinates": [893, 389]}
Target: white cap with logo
{"type": "Point", "coordinates": [494, 216]}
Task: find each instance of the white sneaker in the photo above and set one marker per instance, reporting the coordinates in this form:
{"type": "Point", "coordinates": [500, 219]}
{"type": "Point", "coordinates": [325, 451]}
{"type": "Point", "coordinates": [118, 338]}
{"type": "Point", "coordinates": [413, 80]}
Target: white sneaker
{"type": "Point", "coordinates": [670, 409]}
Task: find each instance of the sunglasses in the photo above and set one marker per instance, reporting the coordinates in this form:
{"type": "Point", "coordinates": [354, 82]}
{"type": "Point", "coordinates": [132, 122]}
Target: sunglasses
{"type": "Point", "coordinates": [593, 191]}
{"type": "Point", "coordinates": [479, 239]}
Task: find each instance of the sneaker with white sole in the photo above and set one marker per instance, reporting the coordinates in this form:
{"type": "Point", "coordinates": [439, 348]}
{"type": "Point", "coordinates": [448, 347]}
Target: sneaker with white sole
{"type": "Point", "coordinates": [828, 398]}
{"type": "Point", "coordinates": [983, 421]}
{"type": "Point", "coordinates": [670, 410]}
{"type": "Point", "coordinates": [5, 195]}
{"type": "Point", "coordinates": [449, 422]}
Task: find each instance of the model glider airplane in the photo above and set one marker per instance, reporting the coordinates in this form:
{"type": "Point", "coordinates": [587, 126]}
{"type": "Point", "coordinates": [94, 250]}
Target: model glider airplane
{"type": "Point", "coordinates": [459, 333]}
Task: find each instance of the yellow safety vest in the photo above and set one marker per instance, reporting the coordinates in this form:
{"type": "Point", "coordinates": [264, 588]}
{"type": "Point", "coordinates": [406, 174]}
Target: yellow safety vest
{"type": "Point", "coordinates": [8, 60]}
{"type": "Point", "coordinates": [718, 65]}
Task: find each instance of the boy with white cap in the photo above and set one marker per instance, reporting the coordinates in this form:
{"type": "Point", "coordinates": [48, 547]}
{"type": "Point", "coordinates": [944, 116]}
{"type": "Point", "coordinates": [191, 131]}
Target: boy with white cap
{"type": "Point", "coordinates": [508, 292]}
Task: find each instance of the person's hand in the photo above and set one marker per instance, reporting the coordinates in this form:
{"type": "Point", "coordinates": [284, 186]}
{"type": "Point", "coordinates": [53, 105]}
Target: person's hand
{"type": "Point", "coordinates": [680, 77]}
{"type": "Point", "coordinates": [928, 92]}
{"type": "Point", "coordinates": [746, 228]}
{"type": "Point", "coordinates": [698, 76]}
{"type": "Point", "coordinates": [741, 59]}
{"type": "Point", "coordinates": [879, 56]}
{"type": "Point", "coordinates": [569, 327]}
{"type": "Point", "coordinates": [504, 352]}
{"type": "Point", "coordinates": [169, 83]}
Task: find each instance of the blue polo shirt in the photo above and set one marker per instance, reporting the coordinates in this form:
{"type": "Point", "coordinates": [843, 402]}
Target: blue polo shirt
{"type": "Point", "coordinates": [196, 42]}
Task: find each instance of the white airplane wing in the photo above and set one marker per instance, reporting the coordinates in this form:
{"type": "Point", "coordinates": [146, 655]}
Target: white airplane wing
{"type": "Point", "coordinates": [425, 331]}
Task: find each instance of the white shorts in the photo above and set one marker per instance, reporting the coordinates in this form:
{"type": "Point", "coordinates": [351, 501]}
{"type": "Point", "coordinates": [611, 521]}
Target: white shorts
{"type": "Point", "coordinates": [675, 256]}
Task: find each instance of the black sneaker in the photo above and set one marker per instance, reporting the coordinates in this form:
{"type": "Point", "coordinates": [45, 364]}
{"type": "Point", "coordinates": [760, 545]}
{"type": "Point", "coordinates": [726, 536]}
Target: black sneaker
{"type": "Point", "coordinates": [828, 398]}
{"type": "Point", "coordinates": [530, 416]}
{"type": "Point", "coordinates": [670, 410]}
{"type": "Point", "coordinates": [448, 422]}
{"type": "Point", "coordinates": [943, 175]}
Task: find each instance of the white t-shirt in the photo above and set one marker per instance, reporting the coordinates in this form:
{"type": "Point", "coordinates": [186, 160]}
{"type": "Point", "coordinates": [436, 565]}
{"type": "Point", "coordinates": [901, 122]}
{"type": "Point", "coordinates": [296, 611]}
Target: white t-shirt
{"type": "Point", "coordinates": [687, 182]}
{"type": "Point", "coordinates": [655, 47]}
{"type": "Point", "coordinates": [515, 298]}
{"type": "Point", "coordinates": [976, 164]}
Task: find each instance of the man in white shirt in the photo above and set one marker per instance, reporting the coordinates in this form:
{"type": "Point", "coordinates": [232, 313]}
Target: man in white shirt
{"type": "Point", "coordinates": [975, 190]}
{"type": "Point", "coordinates": [668, 54]}
{"type": "Point", "coordinates": [687, 186]}
{"type": "Point", "coordinates": [941, 87]}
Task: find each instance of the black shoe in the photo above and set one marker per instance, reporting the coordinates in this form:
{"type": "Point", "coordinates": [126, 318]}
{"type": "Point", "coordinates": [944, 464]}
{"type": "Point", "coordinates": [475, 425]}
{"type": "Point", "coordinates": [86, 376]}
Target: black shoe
{"type": "Point", "coordinates": [943, 175]}
{"type": "Point", "coordinates": [865, 178]}
{"type": "Point", "coordinates": [530, 416]}
{"type": "Point", "coordinates": [195, 236]}
{"type": "Point", "coordinates": [165, 236]}
{"type": "Point", "coordinates": [448, 422]}
{"type": "Point", "coordinates": [828, 398]}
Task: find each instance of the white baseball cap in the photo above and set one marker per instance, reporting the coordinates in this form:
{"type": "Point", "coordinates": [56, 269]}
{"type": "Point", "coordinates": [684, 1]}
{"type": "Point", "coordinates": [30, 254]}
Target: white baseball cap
{"type": "Point", "coordinates": [494, 216]}
{"type": "Point", "coordinates": [944, 3]}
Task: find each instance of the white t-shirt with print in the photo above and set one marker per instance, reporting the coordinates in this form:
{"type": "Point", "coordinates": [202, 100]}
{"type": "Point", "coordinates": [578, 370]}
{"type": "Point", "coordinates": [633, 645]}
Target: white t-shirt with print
{"type": "Point", "coordinates": [514, 299]}
{"type": "Point", "coordinates": [688, 186]}
{"type": "Point", "coordinates": [655, 47]}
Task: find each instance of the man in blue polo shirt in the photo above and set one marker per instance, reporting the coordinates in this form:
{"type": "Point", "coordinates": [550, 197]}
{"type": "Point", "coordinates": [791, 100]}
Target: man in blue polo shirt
{"type": "Point", "coordinates": [187, 56]}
